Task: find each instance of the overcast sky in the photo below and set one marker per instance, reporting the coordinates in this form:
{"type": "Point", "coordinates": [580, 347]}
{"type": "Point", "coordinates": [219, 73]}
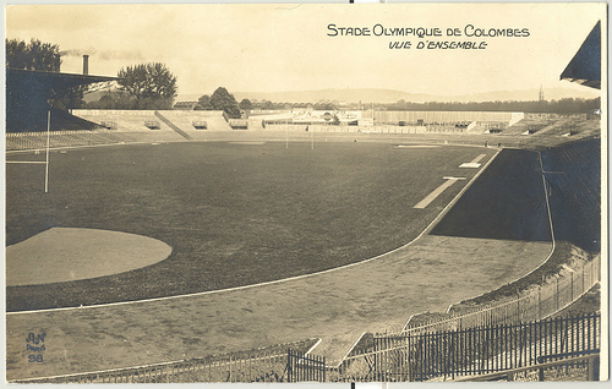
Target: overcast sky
{"type": "Point", "coordinates": [285, 47]}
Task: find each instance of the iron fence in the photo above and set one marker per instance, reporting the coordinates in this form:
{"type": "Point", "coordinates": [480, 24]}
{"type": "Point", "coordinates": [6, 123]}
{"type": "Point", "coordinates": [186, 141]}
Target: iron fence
{"type": "Point", "coordinates": [305, 368]}
{"type": "Point", "coordinates": [471, 351]}
{"type": "Point", "coordinates": [532, 305]}
{"type": "Point", "coordinates": [265, 365]}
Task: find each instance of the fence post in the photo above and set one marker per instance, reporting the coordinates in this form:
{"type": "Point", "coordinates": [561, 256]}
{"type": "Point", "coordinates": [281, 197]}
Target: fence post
{"type": "Point", "coordinates": [593, 369]}
{"type": "Point", "coordinates": [324, 367]}
{"type": "Point", "coordinates": [289, 365]}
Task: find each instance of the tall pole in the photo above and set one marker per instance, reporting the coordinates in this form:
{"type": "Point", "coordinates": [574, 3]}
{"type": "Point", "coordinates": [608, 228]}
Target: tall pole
{"type": "Point", "coordinates": [47, 157]}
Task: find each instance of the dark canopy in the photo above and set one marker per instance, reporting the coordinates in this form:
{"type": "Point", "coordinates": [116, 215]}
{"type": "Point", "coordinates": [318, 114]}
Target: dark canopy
{"type": "Point", "coordinates": [585, 67]}
{"type": "Point", "coordinates": [52, 79]}
{"type": "Point", "coordinates": [28, 93]}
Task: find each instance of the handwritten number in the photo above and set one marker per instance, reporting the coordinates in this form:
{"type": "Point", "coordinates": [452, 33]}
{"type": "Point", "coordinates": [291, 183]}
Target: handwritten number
{"type": "Point", "coordinates": [35, 358]}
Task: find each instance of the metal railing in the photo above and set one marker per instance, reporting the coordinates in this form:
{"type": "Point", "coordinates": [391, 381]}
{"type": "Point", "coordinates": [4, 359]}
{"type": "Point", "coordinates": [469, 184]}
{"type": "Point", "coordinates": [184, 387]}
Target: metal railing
{"type": "Point", "coordinates": [471, 351]}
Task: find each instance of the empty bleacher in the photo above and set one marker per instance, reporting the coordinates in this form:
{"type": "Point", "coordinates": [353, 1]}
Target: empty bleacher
{"type": "Point", "coordinates": [529, 126]}
{"type": "Point", "coordinates": [125, 120]}
{"type": "Point", "coordinates": [571, 127]}
{"type": "Point", "coordinates": [38, 140]}
{"type": "Point", "coordinates": [185, 120]}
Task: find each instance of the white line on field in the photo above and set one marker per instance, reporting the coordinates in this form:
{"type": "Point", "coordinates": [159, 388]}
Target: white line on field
{"type": "Point", "coordinates": [28, 162]}
{"type": "Point", "coordinates": [478, 158]}
{"type": "Point", "coordinates": [435, 193]}
{"type": "Point", "coordinates": [209, 292]}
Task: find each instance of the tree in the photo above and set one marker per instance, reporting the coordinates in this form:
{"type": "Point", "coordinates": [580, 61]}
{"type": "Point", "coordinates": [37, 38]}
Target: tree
{"type": "Point", "coordinates": [203, 103]}
{"type": "Point", "coordinates": [40, 56]}
{"type": "Point", "coordinates": [114, 100]}
{"type": "Point", "coordinates": [69, 98]}
{"type": "Point", "coordinates": [35, 55]}
{"type": "Point", "coordinates": [221, 99]}
{"type": "Point", "coordinates": [152, 85]}
{"type": "Point", "coordinates": [246, 104]}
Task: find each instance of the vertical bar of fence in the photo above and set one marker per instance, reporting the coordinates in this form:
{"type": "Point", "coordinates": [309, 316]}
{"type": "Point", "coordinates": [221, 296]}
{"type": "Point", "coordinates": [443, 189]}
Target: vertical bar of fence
{"type": "Point", "coordinates": [445, 359]}
{"type": "Point", "coordinates": [530, 344]}
{"type": "Point", "coordinates": [558, 341]}
{"type": "Point", "coordinates": [588, 331]}
{"type": "Point", "coordinates": [488, 348]}
{"type": "Point", "coordinates": [323, 367]}
{"type": "Point", "coordinates": [428, 355]}
{"type": "Point", "coordinates": [472, 353]}
{"type": "Point", "coordinates": [409, 361]}
{"type": "Point", "coordinates": [568, 334]}
{"type": "Point", "coordinates": [464, 355]}
{"type": "Point", "coordinates": [596, 331]}
{"type": "Point", "coordinates": [506, 347]}
{"type": "Point", "coordinates": [527, 339]}
{"type": "Point", "coordinates": [549, 341]}
{"type": "Point", "coordinates": [289, 367]}
{"type": "Point", "coordinates": [578, 334]}
{"type": "Point", "coordinates": [440, 353]}
{"type": "Point", "coordinates": [521, 342]}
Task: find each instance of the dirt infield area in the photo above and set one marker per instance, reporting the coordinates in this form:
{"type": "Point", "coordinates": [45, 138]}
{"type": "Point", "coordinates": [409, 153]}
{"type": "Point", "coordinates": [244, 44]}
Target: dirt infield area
{"type": "Point", "coordinates": [68, 254]}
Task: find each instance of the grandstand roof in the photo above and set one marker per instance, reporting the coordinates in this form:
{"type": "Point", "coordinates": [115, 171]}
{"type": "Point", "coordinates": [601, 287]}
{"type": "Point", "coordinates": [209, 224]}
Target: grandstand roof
{"type": "Point", "coordinates": [53, 79]}
{"type": "Point", "coordinates": [585, 67]}
{"type": "Point", "coordinates": [28, 93]}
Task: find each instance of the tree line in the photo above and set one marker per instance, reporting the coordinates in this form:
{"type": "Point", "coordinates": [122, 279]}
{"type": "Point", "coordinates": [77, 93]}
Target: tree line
{"type": "Point", "coordinates": [143, 86]}
{"type": "Point", "coordinates": [33, 55]}
{"type": "Point", "coordinates": [561, 106]}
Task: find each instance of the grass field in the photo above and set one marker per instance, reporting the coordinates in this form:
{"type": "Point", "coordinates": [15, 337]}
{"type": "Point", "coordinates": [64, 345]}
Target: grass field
{"type": "Point", "coordinates": [234, 214]}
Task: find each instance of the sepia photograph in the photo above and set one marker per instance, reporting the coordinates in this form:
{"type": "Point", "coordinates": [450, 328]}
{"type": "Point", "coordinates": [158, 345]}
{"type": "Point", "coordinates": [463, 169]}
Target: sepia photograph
{"type": "Point", "coordinates": [322, 193]}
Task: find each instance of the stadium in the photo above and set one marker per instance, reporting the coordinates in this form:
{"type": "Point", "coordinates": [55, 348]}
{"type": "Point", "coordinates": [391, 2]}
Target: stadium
{"type": "Point", "coordinates": [302, 244]}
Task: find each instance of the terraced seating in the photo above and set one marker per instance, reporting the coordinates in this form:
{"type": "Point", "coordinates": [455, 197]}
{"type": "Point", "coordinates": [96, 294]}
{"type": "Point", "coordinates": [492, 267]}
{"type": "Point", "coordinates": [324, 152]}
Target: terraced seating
{"type": "Point", "coordinates": [185, 120]}
{"type": "Point", "coordinates": [570, 127]}
{"type": "Point", "coordinates": [37, 140]}
{"type": "Point", "coordinates": [528, 125]}
{"type": "Point", "coordinates": [123, 120]}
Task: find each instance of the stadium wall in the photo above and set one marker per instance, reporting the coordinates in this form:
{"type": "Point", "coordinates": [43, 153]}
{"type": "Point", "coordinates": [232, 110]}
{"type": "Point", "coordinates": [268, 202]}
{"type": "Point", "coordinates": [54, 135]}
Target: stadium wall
{"type": "Point", "coordinates": [447, 116]}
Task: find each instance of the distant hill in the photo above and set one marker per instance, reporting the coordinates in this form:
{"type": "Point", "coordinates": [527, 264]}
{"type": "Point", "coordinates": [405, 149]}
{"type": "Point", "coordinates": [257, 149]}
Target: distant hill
{"type": "Point", "coordinates": [95, 96]}
{"type": "Point", "coordinates": [392, 96]}
{"type": "Point", "coordinates": [385, 96]}
{"type": "Point", "coordinates": [340, 95]}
